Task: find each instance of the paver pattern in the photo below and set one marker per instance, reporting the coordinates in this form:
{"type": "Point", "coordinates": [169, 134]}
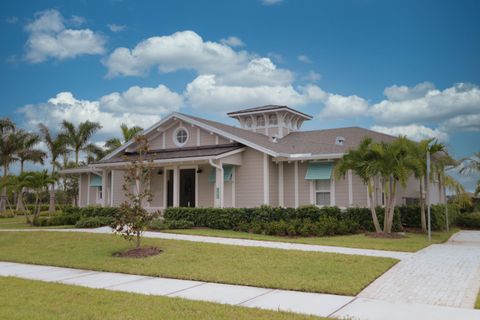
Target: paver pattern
{"type": "Point", "coordinates": [441, 274]}
{"type": "Point", "coordinates": [245, 243]}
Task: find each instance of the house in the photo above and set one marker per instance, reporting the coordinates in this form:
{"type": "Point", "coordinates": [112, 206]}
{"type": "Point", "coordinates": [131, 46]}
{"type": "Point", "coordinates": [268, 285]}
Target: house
{"type": "Point", "coordinates": [267, 160]}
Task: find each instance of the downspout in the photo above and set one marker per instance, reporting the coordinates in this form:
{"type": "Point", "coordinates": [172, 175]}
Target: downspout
{"type": "Point", "coordinates": [213, 164]}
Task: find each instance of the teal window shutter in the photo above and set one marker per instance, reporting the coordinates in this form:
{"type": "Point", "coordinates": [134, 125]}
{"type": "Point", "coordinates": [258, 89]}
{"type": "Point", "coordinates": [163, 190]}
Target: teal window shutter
{"type": "Point", "coordinates": [95, 181]}
{"type": "Point", "coordinates": [319, 171]}
{"type": "Point", "coordinates": [227, 174]}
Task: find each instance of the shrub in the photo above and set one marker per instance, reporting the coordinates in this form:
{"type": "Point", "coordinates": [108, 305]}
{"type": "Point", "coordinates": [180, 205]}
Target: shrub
{"type": "Point", "coordinates": [469, 220]}
{"type": "Point", "coordinates": [410, 216]}
{"type": "Point", "coordinates": [363, 218]}
{"type": "Point", "coordinates": [8, 214]}
{"type": "Point", "coordinates": [93, 222]}
{"type": "Point", "coordinates": [58, 220]}
{"type": "Point", "coordinates": [179, 224]}
{"type": "Point", "coordinates": [157, 224]}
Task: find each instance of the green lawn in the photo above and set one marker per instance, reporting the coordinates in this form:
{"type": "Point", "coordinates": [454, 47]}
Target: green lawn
{"type": "Point", "coordinates": [20, 223]}
{"type": "Point", "coordinates": [413, 242]}
{"type": "Point", "coordinates": [262, 267]}
{"type": "Point", "coordinates": [26, 299]}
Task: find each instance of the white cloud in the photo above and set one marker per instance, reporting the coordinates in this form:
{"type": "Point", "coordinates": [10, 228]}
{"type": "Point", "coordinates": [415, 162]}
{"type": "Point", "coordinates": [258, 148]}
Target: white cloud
{"type": "Point", "coordinates": [186, 50]}
{"type": "Point", "coordinates": [155, 101]}
{"type": "Point", "coordinates": [341, 107]}
{"type": "Point", "coordinates": [312, 76]}
{"type": "Point", "coordinates": [303, 58]}
{"type": "Point", "coordinates": [413, 131]}
{"type": "Point", "coordinates": [270, 2]}
{"type": "Point", "coordinates": [116, 27]}
{"type": "Point", "coordinates": [423, 103]}
{"type": "Point", "coordinates": [232, 41]}
{"type": "Point", "coordinates": [49, 38]}
{"type": "Point", "coordinates": [469, 122]}
{"type": "Point", "coordinates": [207, 94]}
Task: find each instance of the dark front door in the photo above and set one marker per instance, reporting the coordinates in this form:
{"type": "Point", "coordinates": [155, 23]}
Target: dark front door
{"type": "Point", "coordinates": [187, 188]}
{"type": "Point", "coordinates": [169, 188]}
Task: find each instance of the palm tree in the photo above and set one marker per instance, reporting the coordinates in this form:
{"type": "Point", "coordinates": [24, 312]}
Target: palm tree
{"type": "Point", "coordinates": [18, 184]}
{"type": "Point", "coordinates": [78, 137]}
{"type": "Point", "coordinates": [361, 161]}
{"type": "Point", "coordinates": [9, 137]}
{"type": "Point", "coordinates": [127, 134]}
{"type": "Point", "coordinates": [393, 162]}
{"type": "Point", "coordinates": [27, 152]}
{"type": "Point", "coordinates": [38, 182]}
{"type": "Point", "coordinates": [56, 146]}
{"type": "Point", "coordinates": [471, 165]}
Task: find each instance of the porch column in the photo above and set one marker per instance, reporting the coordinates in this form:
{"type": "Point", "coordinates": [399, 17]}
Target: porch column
{"type": "Point", "coordinates": [104, 187]}
{"type": "Point", "coordinates": [218, 191]}
{"type": "Point", "coordinates": [88, 189]}
{"type": "Point", "coordinates": [295, 181]}
{"type": "Point", "coordinates": [281, 201]}
{"type": "Point", "coordinates": [176, 187]}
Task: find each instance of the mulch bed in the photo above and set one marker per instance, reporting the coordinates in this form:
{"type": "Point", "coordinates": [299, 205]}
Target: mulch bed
{"type": "Point", "coordinates": [138, 252]}
{"type": "Point", "coordinates": [392, 235]}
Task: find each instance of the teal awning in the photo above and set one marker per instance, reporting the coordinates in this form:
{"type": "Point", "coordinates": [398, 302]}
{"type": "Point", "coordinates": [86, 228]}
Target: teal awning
{"type": "Point", "coordinates": [227, 174]}
{"type": "Point", "coordinates": [95, 181]}
{"type": "Point", "coordinates": [319, 171]}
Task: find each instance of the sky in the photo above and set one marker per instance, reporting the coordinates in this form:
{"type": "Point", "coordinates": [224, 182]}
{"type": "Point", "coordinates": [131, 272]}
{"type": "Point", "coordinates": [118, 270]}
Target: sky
{"type": "Point", "coordinates": [400, 67]}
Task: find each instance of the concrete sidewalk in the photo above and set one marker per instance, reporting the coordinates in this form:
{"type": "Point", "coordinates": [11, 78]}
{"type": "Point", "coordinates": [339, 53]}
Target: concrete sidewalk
{"type": "Point", "coordinates": [244, 242]}
{"type": "Point", "coordinates": [325, 305]}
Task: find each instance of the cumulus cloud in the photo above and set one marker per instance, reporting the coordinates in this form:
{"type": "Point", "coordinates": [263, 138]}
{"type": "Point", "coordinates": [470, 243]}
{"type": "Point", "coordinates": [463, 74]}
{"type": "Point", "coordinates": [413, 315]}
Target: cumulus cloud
{"type": "Point", "coordinates": [207, 94]}
{"type": "Point", "coordinates": [156, 101]}
{"type": "Point", "coordinates": [136, 106]}
{"type": "Point", "coordinates": [116, 27]}
{"type": "Point", "coordinates": [413, 131]}
{"type": "Point", "coordinates": [341, 107]}
{"type": "Point", "coordinates": [232, 41]}
{"type": "Point", "coordinates": [424, 103]}
{"type": "Point", "coordinates": [50, 38]}
{"type": "Point", "coordinates": [186, 50]}
{"type": "Point", "coordinates": [312, 76]}
{"type": "Point", "coordinates": [303, 58]}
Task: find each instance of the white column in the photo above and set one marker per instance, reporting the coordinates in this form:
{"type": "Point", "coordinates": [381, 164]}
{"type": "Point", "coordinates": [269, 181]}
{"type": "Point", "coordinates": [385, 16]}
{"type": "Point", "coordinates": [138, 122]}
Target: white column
{"type": "Point", "coordinates": [281, 196]}
{"type": "Point", "coordinates": [233, 186]}
{"type": "Point", "coordinates": [332, 191]}
{"type": "Point", "coordinates": [111, 188]}
{"type": "Point", "coordinates": [176, 187]}
{"type": "Point", "coordinates": [312, 192]}
{"type": "Point", "coordinates": [266, 180]}
{"type": "Point", "coordinates": [219, 187]}
{"type": "Point", "coordinates": [350, 188]}
{"type": "Point", "coordinates": [80, 190]}
{"type": "Point", "coordinates": [295, 182]}
{"type": "Point", "coordinates": [88, 189]}
{"type": "Point", "coordinates": [104, 187]}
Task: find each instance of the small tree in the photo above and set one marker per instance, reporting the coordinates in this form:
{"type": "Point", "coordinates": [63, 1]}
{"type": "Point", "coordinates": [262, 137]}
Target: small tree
{"type": "Point", "coordinates": [132, 219]}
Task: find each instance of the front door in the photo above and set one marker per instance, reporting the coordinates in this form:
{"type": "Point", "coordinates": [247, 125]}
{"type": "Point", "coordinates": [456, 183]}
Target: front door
{"type": "Point", "coordinates": [187, 188]}
{"type": "Point", "coordinates": [169, 188]}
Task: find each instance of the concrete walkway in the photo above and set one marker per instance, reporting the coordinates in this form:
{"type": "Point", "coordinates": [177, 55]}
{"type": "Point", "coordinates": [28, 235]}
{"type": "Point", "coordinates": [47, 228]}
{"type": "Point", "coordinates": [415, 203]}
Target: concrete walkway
{"type": "Point", "coordinates": [245, 242]}
{"type": "Point", "coordinates": [441, 274]}
{"type": "Point", "coordinates": [325, 305]}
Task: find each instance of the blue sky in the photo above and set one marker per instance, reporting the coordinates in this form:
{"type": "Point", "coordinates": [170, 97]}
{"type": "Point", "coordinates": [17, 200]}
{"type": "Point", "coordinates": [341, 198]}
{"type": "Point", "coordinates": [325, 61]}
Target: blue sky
{"type": "Point", "coordinates": [401, 67]}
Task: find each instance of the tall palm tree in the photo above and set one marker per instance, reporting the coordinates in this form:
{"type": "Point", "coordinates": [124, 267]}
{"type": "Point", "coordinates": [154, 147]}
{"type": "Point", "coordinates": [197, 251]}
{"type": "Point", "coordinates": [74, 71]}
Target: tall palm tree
{"type": "Point", "coordinates": [9, 137]}
{"type": "Point", "coordinates": [127, 134]}
{"type": "Point", "coordinates": [38, 182]}
{"type": "Point", "coordinates": [18, 185]}
{"type": "Point", "coordinates": [78, 137]}
{"type": "Point", "coordinates": [361, 161]}
{"type": "Point", "coordinates": [27, 152]}
{"type": "Point", "coordinates": [56, 146]}
{"type": "Point", "coordinates": [393, 162]}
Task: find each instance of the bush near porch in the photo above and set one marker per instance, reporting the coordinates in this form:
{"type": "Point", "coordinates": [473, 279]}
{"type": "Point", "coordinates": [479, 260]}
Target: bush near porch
{"type": "Point", "coordinates": [86, 217]}
{"type": "Point", "coordinates": [302, 221]}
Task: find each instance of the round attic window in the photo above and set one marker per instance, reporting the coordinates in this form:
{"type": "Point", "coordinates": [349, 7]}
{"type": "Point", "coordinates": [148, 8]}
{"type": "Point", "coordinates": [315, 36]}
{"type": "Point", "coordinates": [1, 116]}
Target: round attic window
{"type": "Point", "coordinates": [180, 136]}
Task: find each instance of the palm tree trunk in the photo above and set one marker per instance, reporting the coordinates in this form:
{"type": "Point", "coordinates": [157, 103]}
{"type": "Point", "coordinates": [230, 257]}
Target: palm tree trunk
{"type": "Point", "coordinates": [391, 206]}
{"type": "Point", "coordinates": [422, 206]}
{"type": "Point", "coordinates": [386, 192]}
{"type": "Point", "coordinates": [51, 206]}
{"type": "Point", "coordinates": [20, 204]}
{"type": "Point", "coordinates": [3, 197]}
{"type": "Point", "coordinates": [376, 224]}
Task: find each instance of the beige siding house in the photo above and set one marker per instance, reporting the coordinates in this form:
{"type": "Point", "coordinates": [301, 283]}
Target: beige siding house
{"type": "Point", "coordinates": [267, 160]}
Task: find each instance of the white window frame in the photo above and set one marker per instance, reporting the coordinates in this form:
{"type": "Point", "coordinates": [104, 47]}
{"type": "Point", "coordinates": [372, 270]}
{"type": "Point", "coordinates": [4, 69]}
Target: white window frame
{"type": "Point", "coordinates": [99, 193]}
{"type": "Point", "coordinates": [259, 125]}
{"type": "Point", "coordinates": [270, 122]}
{"type": "Point", "coordinates": [175, 138]}
{"type": "Point", "coordinates": [316, 191]}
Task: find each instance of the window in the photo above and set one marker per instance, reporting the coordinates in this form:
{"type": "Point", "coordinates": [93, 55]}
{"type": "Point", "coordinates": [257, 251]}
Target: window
{"type": "Point", "coordinates": [260, 121]}
{"type": "Point", "coordinates": [100, 193]}
{"type": "Point", "coordinates": [272, 120]}
{"type": "Point", "coordinates": [180, 136]}
{"type": "Point", "coordinates": [248, 122]}
{"type": "Point", "coordinates": [322, 192]}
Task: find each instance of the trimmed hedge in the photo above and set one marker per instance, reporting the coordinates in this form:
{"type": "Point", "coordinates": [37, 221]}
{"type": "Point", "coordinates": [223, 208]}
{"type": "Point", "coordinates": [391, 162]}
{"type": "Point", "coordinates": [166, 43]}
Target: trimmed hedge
{"type": "Point", "coordinates": [363, 217]}
{"type": "Point", "coordinates": [304, 221]}
{"type": "Point", "coordinates": [93, 222]}
{"type": "Point", "coordinates": [73, 215]}
{"type": "Point", "coordinates": [410, 216]}
{"type": "Point", "coordinates": [469, 220]}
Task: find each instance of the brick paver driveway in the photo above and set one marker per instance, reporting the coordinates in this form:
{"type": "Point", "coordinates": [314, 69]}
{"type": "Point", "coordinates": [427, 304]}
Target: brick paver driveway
{"type": "Point", "coordinates": [441, 274]}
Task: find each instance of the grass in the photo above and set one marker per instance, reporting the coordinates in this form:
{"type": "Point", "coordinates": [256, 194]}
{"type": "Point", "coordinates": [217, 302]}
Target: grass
{"type": "Point", "coordinates": [413, 242]}
{"type": "Point", "coordinates": [26, 299]}
{"type": "Point", "coordinates": [262, 267]}
{"type": "Point", "coordinates": [20, 223]}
